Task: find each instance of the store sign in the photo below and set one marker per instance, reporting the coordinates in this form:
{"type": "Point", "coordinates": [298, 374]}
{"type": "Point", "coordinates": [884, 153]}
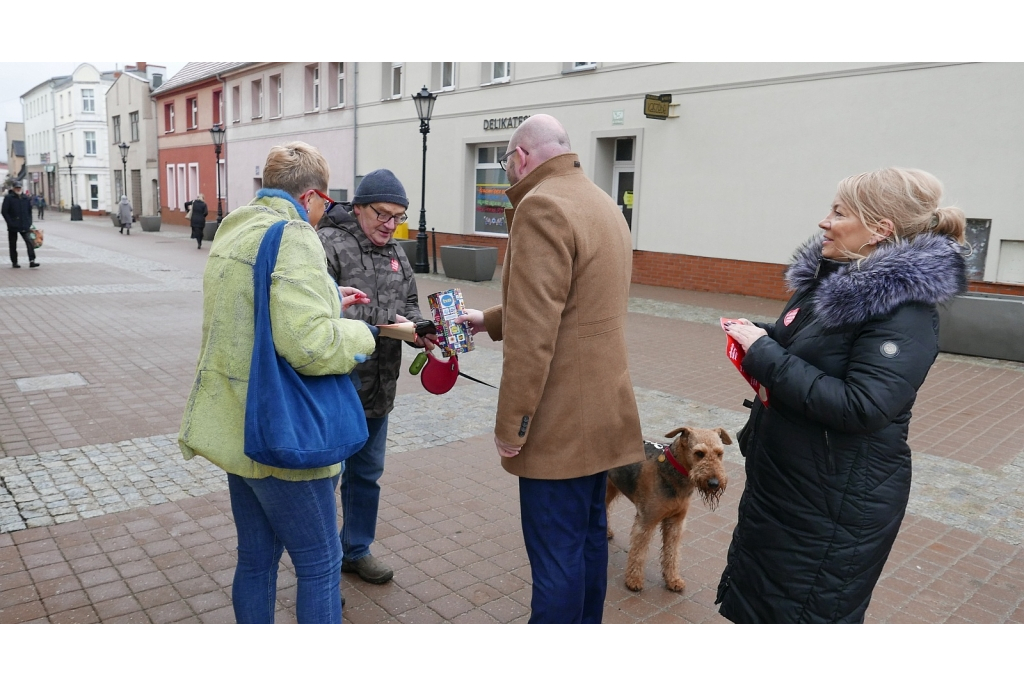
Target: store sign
{"type": "Point", "coordinates": [504, 122]}
{"type": "Point", "coordinates": [657, 106]}
{"type": "Point", "coordinates": [44, 157]}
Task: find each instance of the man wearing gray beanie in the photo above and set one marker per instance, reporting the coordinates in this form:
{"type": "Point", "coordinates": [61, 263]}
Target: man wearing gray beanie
{"type": "Point", "coordinates": [357, 239]}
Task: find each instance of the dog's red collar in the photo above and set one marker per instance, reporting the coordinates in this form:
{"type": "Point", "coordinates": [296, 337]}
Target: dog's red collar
{"type": "Point", "coordinates": [675, 464]}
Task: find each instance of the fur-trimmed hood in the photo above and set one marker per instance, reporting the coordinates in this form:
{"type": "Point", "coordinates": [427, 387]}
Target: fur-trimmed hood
{"type": "Point", "coordinates": [929, 269]}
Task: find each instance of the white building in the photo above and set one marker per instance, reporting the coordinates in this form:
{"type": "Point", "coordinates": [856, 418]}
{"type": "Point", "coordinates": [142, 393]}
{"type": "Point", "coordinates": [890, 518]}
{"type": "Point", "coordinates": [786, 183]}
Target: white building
{"type": "Point", "coordinates": [81, 129]}
{"type": "Point", "coordinates": [130, 120]}
{"type": "Point", "coordinates": [39, 115]}
{"type": "Point", "coordinates": [718, 194]}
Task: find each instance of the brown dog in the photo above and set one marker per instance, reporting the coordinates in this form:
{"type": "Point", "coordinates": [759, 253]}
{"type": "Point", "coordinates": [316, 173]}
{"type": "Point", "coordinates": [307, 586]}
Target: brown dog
{"type": "Point", "coordinates": [660, 487]}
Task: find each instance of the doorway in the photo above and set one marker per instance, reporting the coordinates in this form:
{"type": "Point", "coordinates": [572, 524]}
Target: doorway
{"type": "Point", "coordinates": [623, 172]}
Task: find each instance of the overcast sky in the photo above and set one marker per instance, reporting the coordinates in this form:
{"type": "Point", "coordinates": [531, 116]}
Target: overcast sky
{"type": "Point", "coordinates": [17, 78]}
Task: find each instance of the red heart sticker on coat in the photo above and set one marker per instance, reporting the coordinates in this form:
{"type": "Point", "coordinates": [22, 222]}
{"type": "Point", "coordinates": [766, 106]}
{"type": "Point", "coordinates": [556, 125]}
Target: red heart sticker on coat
{"type": "Point", "coordinates": [790, 315]}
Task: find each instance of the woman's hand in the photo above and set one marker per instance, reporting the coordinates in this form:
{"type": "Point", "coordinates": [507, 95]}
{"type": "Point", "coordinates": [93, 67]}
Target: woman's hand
{"type": "Point", "coordinates": [745, 333]}
{"type": "Point", "coordinates": [351, 296]}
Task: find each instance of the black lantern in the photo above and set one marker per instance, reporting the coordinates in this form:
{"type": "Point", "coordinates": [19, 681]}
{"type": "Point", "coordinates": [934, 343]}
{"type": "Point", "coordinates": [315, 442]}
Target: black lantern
{"type": "Point", "coordinates": [76, 211]}
{"type": "Point", "coordinates": [123, 147]}
{"type": "Point", "coordinates": [424, 101]}
{"type": "Point", "coordinates": [217, 133]}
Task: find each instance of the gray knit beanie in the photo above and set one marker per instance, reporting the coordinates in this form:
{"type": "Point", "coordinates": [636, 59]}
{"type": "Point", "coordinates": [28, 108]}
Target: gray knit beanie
{"type": "Point", "coordinates": [380, 186]}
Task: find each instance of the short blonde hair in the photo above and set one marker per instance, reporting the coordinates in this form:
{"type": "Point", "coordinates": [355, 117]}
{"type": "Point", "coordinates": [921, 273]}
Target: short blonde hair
{"type": "Point", "coordinates": [200, 197]}
{"type": "Point", "coordinates": [909, 198]}
{"type": "Point", "coordinates": [295, 168]}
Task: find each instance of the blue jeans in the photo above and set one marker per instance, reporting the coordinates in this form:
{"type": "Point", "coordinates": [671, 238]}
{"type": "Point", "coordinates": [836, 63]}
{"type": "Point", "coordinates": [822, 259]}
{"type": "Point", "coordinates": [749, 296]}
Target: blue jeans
{"type": "Point", "coordinates": [565, 528]}
{"type": "Point", "coordinates": [360, 493]}
{"type": "Point", "coordinates": [272, 515]}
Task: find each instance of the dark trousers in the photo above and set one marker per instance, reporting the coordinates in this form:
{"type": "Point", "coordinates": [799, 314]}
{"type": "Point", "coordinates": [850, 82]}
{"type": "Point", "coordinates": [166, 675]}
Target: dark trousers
{"type": "Point", "coordinates": [12, 242]}
{"type": "Point", "coordinates": [566, 532]}
{"type": "Point", "coordinates": [41, 209]}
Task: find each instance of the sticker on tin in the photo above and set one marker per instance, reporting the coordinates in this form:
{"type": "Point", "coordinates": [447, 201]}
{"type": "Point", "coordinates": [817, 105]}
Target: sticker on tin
{"type": "Point", "coordinates": [889, 349]}
{"type": "Point", "coordinates": [790, 315]}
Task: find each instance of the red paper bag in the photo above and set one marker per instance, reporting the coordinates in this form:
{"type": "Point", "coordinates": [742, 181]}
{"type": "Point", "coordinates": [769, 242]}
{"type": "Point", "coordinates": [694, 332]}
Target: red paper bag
{"type": "Point", "coordinates": [735, 352]}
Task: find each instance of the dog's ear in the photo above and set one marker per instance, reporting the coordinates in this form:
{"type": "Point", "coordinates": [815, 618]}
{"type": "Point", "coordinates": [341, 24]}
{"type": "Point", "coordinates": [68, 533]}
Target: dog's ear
{"type": "Point", "coordinates": [684, 430]}
{"type": "Point", "coordinates": [726, 440]}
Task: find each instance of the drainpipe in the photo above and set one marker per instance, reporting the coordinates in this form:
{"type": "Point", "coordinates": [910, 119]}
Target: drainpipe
{"type": "Point", "coordinates": [355, 123]}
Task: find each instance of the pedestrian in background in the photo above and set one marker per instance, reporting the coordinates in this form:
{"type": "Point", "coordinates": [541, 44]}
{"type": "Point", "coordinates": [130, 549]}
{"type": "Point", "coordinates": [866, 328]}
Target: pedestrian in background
{"type": "Point", "coordinates": [274, 508]}
{"type": "Point", "coordinates": [361, 252]}
{"type": "Point", "coordinates": [17, 213]}
{"type": "Point", "coordinates": [41, 204]}
{"type": "Point", "coordinates": [827, 462]}
{"type": "Point", "coordinates": [124, 214]}
{"type": "Point", "coordinates": [566, 410]}
{"type": "Point", "coordinates": [197, 218]}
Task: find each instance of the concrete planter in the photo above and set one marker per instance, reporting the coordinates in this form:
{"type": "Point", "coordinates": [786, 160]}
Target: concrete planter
{"type": "Point", "coordinates": [410, 250]}
{"type": "Point", "coordinates": [983, 325]}
{"type": "Point", "coordinates": [469, 262]}
{"type": "Point", "coordinates": [150, 224]}
{"type": "Point", "coordinates": [209, 230]}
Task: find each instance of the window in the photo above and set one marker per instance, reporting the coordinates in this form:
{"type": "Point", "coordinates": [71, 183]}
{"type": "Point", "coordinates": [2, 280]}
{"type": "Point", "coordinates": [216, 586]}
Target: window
{"type": "Point", "coordinates": [169, 117]}
{"type": "Point", "coordinates": [276, 100]}
{"type": "Point", "coordinates": [442, 76]}
{"type": "Point", "coordinates": [312, 87]}
{"type": "Point", "coordinates": [172, 199]}
{"type": "Point", "coordinates": [88, 100]}
{"type": "Point", "coordinates": [117, 129]}
{"type": "Point", "coordinates": [218, 107]}
{"type": "Point", "coordinates": [579, 66]}
{"type": "Point", "coordinates": [392, 84]}
{"type": "Point", "coordinates": [158, 80]}
{"type": "Point", "coordinates": [182, 188]}
{"type": "Point", "coordinates": [257, 99]}
{"type": "Point", "coordinates": [501, 72]}
{"type": "Point", "coordinates": [236, 103]}
{"type": "Point", "coordinates": [339, 84]}
{"type": "Point", "coordinates": [133, 118]}
{"type": "Point", "coordinates": [193, 180]}
{"type": "Point", "coordinates": [491, 182]}
{"type": "Point", "coordinates": [90, 143]}
{"type": "Point", "coordinates": [192, 106]}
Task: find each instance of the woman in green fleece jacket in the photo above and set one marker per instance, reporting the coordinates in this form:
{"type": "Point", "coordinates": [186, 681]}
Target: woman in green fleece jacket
{"type": "Point", "coordinates": [274, 509]}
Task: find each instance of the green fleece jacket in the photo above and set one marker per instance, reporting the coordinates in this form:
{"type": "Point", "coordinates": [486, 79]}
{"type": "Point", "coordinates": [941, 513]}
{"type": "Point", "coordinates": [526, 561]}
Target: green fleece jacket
{"type": "Point", "coordinates": [306, 322]}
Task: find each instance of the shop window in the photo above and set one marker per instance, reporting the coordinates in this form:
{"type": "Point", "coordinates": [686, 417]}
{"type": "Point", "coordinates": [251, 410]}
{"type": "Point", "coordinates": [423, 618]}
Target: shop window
{"type": "Point", "coordinates": [490, 202]}
{"type": "Point", "coordinates": [977, 233]}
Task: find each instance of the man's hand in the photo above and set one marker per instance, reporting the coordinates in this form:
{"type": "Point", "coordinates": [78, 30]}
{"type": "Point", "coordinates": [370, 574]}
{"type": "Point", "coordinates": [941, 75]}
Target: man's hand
{"type": "Point", "coordinates": [475, 318]}
{"type": "Point", "coordinates": [351, 296]}
{"type": "Point", "coordinates": [506, 449]}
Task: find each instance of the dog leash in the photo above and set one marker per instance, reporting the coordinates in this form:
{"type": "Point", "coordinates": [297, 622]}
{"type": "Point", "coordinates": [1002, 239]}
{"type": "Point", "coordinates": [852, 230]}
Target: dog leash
{"type": "Point", "coordinates": [477, 380]}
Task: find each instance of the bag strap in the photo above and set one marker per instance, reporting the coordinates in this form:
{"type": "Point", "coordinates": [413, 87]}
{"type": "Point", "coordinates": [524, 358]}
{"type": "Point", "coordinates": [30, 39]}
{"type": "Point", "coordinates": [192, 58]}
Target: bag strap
{"type": "Point", "coordinates": [266, 260]}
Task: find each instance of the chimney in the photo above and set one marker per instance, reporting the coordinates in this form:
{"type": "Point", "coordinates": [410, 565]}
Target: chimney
{"type": "Point", "coordinates": [141, 66]}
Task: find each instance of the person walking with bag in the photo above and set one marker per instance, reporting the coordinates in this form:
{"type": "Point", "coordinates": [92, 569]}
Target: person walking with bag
{"type": "Point", "coordinates": [17, 213]}
{"type": "Point", "coordinates": [124, 214]}
{"type": "Point", "coordinates": [827, 461]}
{"type": "Point", "coordinates": [274, 507]}
{"type": "Point", "coordinates": [196, 212]}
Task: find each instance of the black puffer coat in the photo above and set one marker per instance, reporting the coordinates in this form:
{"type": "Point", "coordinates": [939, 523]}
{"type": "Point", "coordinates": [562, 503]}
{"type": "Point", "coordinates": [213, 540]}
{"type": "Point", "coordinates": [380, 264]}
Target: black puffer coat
{"type": "Point", "coordinates": [827, 464]}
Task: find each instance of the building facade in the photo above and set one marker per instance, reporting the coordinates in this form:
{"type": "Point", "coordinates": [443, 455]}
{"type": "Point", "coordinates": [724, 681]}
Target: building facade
{"type": "Point", "coordinates": [15, 136]}
{"type": "Point", "coordinates": [131, 121]}
{"type": "Point", "coordinates": [39, 114]}
{"type": "Point", "coordinates": [718, 193]}
{"type": "Point", "coordinates": [81, 130]}
{"type": "Point", "coordinates": [186, 107]}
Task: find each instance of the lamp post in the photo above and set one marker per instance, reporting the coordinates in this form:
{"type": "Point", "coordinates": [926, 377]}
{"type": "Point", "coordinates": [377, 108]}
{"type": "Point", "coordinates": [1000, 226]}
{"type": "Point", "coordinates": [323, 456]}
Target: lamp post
{"type": "Point", "coordinates": [76, 211]}
{"type": "Point", "coordinates": [424, 101]}
{"type": "Point", "coordinates": [123, 147]}
{"type": "Point", "coordinates": [218, 132]}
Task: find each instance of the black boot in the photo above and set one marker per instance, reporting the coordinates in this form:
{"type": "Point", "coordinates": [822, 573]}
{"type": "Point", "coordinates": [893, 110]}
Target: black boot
{"type": "Point", "coordinates": [122, 230]}
{"type": "Point", "coordinates": [199, 246]}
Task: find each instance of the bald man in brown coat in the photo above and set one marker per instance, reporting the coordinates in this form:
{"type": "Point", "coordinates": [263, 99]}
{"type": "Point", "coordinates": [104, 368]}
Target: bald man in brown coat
{"type": "Point", "coordinates": [566, 410]}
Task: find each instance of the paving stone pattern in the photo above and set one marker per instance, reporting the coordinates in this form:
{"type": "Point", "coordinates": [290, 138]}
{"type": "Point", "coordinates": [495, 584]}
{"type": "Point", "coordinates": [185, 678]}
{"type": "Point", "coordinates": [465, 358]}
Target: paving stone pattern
{"type": "Point", "coordinates": [101, 520]}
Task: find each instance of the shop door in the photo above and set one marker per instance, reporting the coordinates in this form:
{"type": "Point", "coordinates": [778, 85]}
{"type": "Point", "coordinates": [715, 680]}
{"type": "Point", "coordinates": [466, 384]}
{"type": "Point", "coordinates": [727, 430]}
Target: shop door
{"type": "Point", "coordinates": [94, 192]}
{"type": "Point", "coordinates": [623, 170]}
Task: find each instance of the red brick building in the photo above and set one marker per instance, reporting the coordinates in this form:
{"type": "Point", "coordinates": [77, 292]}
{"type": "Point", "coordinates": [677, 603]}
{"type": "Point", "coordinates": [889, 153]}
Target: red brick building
{"type": "Point", "coordinates": [187, 107]}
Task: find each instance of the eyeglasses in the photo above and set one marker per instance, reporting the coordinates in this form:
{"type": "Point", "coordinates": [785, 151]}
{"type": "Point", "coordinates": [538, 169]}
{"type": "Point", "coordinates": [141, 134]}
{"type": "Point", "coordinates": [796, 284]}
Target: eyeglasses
{"type": "Point", "coordinates": [503, 160]}
{"type": "Point", "coordinates": [328, 201]}
{"type": "Point", "coordinates": [384, 218]}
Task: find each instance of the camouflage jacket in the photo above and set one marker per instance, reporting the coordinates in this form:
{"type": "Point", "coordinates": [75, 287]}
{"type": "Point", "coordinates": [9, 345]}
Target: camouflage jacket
{"type": "Point", "coordinates": [383, 273]}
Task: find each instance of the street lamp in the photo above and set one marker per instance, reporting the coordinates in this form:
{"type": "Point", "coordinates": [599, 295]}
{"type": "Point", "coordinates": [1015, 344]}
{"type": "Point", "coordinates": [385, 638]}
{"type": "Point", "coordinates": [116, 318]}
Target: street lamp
{"type": "Point", "coordinates": [424, 107]}
{"type": "Point", "coordinates": [123, 147]}
{"type": "Point", "coordinates": [76, 211]}
{"type": "Point", "coordinates": [218, 132]}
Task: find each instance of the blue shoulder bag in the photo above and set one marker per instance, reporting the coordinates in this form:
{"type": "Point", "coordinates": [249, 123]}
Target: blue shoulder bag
{"type": "Point", "coordinates": [294, 421]}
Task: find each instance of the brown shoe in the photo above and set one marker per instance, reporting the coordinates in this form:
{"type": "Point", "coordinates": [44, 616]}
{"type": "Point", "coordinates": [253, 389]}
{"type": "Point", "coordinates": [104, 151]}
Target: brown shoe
{"type": "Point", "coordinates": [369, 569]}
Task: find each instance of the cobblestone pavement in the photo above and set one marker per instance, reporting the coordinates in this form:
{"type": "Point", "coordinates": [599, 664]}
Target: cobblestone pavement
{"type": "Point", "coordinates": [124, 529]}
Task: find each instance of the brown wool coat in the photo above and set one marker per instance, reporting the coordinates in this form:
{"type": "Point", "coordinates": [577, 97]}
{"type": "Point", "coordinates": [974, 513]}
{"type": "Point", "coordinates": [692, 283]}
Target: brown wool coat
{"type": "Point", "coordinates": [565, 396]}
